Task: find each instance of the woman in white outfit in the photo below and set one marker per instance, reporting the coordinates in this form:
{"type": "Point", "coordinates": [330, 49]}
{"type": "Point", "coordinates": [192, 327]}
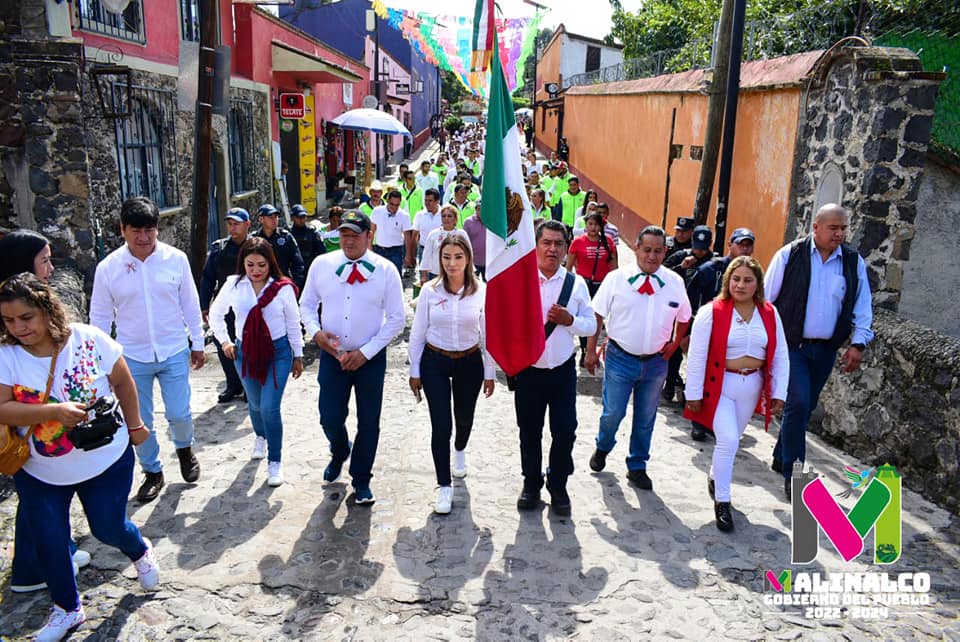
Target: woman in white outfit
{"type": "Point", "coordinates": [430, 262]}
{"type": "Point", "coordinates": [737, 358]}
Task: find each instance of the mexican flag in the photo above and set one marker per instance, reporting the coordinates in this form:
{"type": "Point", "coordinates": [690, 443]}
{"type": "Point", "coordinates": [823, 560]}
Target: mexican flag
{"type": "Point", "coordinates": [483, 38]}
{"type": "Point", "coordinates": [514, 334]}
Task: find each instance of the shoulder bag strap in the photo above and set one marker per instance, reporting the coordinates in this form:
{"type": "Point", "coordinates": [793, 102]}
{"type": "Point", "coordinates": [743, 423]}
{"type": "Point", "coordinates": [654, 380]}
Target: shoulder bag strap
{"type": "Point", "coordinates": [46, 392]}
{"type": "Point", "coordinates": [562, 301]}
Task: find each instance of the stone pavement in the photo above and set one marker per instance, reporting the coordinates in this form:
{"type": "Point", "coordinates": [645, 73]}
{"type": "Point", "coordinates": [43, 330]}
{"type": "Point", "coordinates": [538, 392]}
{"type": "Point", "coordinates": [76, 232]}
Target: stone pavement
{"type": "Point", "coordinates": [243, 561]}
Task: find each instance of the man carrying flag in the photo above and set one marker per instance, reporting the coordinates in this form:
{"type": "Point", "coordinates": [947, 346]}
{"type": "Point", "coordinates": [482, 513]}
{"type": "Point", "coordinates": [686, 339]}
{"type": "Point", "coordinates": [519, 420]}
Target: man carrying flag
{"type": "Point", "coordinates": [515, 332]}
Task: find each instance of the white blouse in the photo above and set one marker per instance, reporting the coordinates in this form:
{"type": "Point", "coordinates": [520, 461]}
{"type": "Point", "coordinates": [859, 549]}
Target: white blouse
{"type": "Point", "coordinates": [746, 339]}
{"type": "Point", "coordinates": [282, 315]}
{"type": "Point", "coordinates": [449, 322]}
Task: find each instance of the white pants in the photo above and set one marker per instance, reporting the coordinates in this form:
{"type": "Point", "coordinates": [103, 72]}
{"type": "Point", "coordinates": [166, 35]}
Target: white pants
{"type": "Point", "coordinates": [734, 410]}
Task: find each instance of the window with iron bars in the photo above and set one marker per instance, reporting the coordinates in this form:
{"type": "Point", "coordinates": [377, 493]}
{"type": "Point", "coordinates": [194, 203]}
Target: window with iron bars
{"type": "Point", "coordinates": [146, 145]}
{"type": "Point", "coordinates": [240, 143]}
{"type": "Point", "coordinates": [126, 25]}
{"type": "Point", "coordinates": [189, 20]}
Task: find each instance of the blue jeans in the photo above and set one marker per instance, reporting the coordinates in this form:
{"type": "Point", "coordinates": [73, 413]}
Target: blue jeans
{"type": "Point", "coordinates": [335, 386]}
{"type": "Point", "coordinates": [624, 374]}
{"type": "Point", "coordinates": [810, 367]}
{"type": "Point", "coordinates": [25, 569]}
{"type": "Point", "coordinates": [394, 254]}
{"type": "Point", "coordinates": [263, 400]}
{"type": "Point", "coordinates": [45, 509]}
{"type": "Point", "coordinates": [174, 376]}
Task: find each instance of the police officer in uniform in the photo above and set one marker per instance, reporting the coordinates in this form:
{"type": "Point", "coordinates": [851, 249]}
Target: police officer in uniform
{"type": "Point", "coordinates": [682, 233]}
{"type": "Point", "coordinates": [284, 244]}
{"type": "Point", "coordinates": [686, 262]}
{"type": "Point", "coordinates": [309, 240]}
{"type": "Point", "coordinates": [221, 263]}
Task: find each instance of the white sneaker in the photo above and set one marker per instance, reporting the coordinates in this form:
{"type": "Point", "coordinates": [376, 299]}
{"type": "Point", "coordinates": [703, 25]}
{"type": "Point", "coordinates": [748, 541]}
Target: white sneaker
{"type": "Point", "coordinates": [60, 623]}
{"type": "Point", "coordinates": [259, 448]}
{"type": "Point", "coordinates": [81, 558]}
{"type": "Point", "coordinates": [459, 464]}
{"type": "Point", "coordinates": [148, 572]}
{"type": "Point", "coordinates": [274, 474]}
{"type": "Point", "coordinates": [444, 500]}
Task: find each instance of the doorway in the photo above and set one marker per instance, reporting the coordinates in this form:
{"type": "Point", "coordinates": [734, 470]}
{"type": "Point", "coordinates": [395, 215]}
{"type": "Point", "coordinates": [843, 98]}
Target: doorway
{"type": "Point", "coordinates": [290, 154]}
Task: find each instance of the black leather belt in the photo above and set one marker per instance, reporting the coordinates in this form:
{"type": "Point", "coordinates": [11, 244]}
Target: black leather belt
{"type": "Point", "coordinates": [638, 357]}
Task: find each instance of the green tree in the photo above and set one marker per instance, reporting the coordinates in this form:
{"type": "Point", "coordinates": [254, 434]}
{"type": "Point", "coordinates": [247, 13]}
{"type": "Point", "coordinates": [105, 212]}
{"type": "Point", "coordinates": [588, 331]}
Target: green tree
{"type": "Point", "coordinates": [527, 82]}
{"type": "Point", "coordinates": [452, 89]}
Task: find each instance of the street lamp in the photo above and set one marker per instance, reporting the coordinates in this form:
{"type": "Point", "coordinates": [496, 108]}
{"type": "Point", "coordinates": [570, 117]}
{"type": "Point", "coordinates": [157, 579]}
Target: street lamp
{"type": "Point", "coordinates": [373, 25]}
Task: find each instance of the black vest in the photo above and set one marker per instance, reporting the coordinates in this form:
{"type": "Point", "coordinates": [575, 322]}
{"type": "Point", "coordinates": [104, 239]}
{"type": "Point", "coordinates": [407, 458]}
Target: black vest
{"type": "Point", "coordinates": [792, 301]}
{"type": "Point", "coordinates": [227, 255]}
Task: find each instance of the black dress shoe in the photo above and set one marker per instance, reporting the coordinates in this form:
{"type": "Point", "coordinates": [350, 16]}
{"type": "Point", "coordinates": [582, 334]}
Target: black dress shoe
{"type": "Point", "coordinates": [668, 392]}
{"type": "Point", "coordinates": [598, 460]}
{"type": "Point", "coordinates": [229, 394]}
{"type": "Point", "coordinates": [150, 488]}
{"type": "Point", "coordinates": [640, 479]}
{"type": "Point", "coordinates": [776, 465]}
{"type": "Point", "coordinates": [711, 488]}
{"type": "Point", "coordinates": [528, 500]}
{"type": "Point", "coordinates": [559, 501]}
{"type": "Point", "coordinates": [724, 516]}
{"type": "Point", "coordinates": [788, 489]}
{"type": "Point", "coordinates": [697, 433]}
{"type": "Point", "coordinates": [189, 466]}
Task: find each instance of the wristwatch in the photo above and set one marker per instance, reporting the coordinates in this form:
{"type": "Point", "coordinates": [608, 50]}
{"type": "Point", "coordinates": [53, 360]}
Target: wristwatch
{"type": "Point", "coordinates": [859, 346]}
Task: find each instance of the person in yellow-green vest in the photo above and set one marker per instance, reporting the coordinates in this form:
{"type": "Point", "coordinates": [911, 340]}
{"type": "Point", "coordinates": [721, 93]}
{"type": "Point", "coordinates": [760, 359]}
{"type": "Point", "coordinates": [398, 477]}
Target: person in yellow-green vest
{"type": "Point", "coordinates": [375, 192]}
{"type": "Point", "coordinates": [440, 169]}
{"type": "Point", "coordinates": [474, 164]}
{"type": "Point", "coordinates": [412, 195]}
{"type": "Point", "coordinates": [472, 192]}
{"type": "Point", "coordinates": [571, 201]}
{"type": "Point", "coordinates": [465, 207]}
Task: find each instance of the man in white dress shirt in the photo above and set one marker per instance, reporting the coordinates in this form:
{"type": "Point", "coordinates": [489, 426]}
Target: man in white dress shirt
{"type": "Point", "coordinates": [362, 299]}
{"type": "Point", "coordinates": [146, 288]}
{"type": "Point", "coordinates": [647, 314]}
{"type": "Point", "coordinates": [426, 179]}
{"type": "Point", "coordinates": [551, 382]}
{"type": "Point", "coordinates": [393, 231]}
{"type": "Point", "coordinates": [426, 220]}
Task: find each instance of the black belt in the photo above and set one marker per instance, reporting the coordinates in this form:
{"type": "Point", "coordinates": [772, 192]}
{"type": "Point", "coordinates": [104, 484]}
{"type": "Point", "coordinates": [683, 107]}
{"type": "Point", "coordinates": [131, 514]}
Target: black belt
{"type": "Point", "coordinates": [638, 357]}
{"type": "Point", "coordinates": [814, 342]}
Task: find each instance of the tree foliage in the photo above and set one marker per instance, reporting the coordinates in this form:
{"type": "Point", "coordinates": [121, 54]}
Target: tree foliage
{"type": "Point", "coordinates": [452, 89]}
{"type": "Point", "coordinates": [543, 37]}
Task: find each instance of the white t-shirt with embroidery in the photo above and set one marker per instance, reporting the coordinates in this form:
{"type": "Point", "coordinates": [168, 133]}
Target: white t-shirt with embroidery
{"type": "Point", "coordinates": [80, 376]}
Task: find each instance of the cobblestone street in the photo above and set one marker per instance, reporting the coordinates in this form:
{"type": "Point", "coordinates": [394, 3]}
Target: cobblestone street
{"type": "Point", "coordinates": [240, 560]}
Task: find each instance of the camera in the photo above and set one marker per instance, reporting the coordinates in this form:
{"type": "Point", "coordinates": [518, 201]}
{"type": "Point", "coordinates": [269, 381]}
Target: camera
{"type": "Point", "coordinates": [103, 420]}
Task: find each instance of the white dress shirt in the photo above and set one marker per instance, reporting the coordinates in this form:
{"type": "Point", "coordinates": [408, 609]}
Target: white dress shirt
{"type": "Point", "coordinates": [430, 181]}
{"type": "Point", "coordinates": [390, 227]}
{"type": "Point", "coordinates": [430, 261]}
{"type": "Point", "coordinates": [825, 295]}
{"type": "Point", "coordinates": [153, 302]}
{"type": "Point", "coordinates": [425, 222]}
{"type": "Point", "coordinates": [642, 324]}
{"type": "Point", "coordinates": [281, 315]}
{"type": "Point", "coordinates": [562, 342]}
{"type": "Point", "coordinates": [746, 339]}
{"type": "Point", "coordinates": [364, 316]}
{"type": "Point", "coordinates": [449, 322]}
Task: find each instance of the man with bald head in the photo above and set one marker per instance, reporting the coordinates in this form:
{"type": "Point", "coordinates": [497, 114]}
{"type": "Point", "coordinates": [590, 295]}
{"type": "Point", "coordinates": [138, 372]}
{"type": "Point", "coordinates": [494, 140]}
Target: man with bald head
{"type": "Point", "coordinates": [819, 285]}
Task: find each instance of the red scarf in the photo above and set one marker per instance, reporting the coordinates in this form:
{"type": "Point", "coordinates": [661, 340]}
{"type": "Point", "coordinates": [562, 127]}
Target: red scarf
{"type": "Point", "coordinates": [717, 359]}
{"type": "Point", "coordinates": [256, 341]}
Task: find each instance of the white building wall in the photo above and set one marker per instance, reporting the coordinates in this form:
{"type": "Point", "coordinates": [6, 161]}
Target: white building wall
{"type": "Point", "coordinates": [573, 56]}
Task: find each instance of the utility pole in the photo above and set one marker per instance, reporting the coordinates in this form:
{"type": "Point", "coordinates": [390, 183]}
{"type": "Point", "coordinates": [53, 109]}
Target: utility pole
{"type": "Point", "coordinates": [729, 122]}
{"type": "Point", "coordinates": [718, 94]}
{"type": "Point", "coordinates": [203, 145]}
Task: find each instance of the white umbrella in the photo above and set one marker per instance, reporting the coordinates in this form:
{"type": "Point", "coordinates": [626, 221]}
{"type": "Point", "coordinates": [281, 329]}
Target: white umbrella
{"type": "Point", "coordinates": [524, 111]}
{"type": "Point", "coordinates": [371, 120]}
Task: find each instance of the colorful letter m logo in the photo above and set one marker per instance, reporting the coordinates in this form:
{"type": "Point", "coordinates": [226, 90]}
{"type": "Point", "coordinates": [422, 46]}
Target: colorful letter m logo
{"type": "Point", "coordinates": [878, 508]}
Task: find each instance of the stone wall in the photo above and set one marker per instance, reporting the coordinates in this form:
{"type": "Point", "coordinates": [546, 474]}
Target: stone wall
{"type": "Point", "coordinates": [903, 407]}
{"type": "Point", "coordinates": [932, 276]}
{"type": "Point", "coordinates": [862, 139]}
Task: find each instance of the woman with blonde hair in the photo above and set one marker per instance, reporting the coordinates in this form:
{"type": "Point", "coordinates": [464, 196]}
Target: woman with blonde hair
{"type": "Point", "coordinates": [447, 354]}
{"type": "Point", "coordinates": [737, 358]}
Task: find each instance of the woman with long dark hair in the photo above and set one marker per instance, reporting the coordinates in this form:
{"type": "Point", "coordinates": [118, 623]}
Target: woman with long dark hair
{"type": "Point", "coordinates": [593, 255]}
{"type": "Point", "coordinates": [737, 358]}
{"type": "Point", "coordinates": [51, 373]}
{"type": "Point", "coordinates": [269, 347]}
{"type": "Point", "coordinates": [447, 354]}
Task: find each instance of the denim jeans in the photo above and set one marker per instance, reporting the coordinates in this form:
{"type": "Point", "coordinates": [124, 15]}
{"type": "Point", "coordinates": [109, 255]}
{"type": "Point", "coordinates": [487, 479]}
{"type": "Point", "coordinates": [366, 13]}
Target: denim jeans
{"type": "Point", "coordinates": [25, 569]}
{"type": "Point", "coordinates": [174, 376]}
{"type": "Point", "coordinates": [440, 375]}
{"type": "Point", "coordinates": [263, 400]}
{"type": "Point", "coordinates": [335, 386]}
{"type": "Point", "coordinates": [228, 366]}
{"type": "Point", "coordinates": [537, 390]}
{"type": "Point", "coordinates": [393, 254]}
{"type": "Point", "coordinates": [46, 509]}
{"type": "Point", "coordinates": [625, 374]}
{"type": "Point", "coordinates": [810, 367]}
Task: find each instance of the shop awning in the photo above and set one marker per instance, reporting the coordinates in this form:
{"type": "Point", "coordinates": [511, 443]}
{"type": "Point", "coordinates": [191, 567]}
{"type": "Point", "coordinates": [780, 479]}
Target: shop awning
{"type": "Point", "coordinates": [308, 67]}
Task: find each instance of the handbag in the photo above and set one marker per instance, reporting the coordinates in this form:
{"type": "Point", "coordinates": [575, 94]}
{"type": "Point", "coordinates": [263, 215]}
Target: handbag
{"type": "Point", "coordinates": [14, 449]}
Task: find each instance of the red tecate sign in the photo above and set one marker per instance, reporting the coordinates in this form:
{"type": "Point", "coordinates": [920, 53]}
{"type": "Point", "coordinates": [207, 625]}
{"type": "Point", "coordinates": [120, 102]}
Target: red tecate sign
{"type": "Point", "coordinates": [292, 106]}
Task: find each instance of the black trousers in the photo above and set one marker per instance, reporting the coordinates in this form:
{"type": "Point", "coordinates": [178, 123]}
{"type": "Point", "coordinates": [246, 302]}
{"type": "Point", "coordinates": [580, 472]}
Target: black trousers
{"type": "Point", "coordinates": [439, 375]}
{"type": "Point", "coordinates": [536, 391]}
{"type": "Point", "coordinates": [227, 364]}
{"type": "Point", "coordinates": [673, 370]}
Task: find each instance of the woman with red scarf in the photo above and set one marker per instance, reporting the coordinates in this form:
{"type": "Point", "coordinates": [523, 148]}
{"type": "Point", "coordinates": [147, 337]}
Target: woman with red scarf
{"type": "Point", "coordinates": [270, 345]}
{"type": "Point", "coordinates": [737, 359]}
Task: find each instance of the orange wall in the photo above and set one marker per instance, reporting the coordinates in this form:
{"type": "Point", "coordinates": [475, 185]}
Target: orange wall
{"type": "Point", "coordinates": [621, 143]}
